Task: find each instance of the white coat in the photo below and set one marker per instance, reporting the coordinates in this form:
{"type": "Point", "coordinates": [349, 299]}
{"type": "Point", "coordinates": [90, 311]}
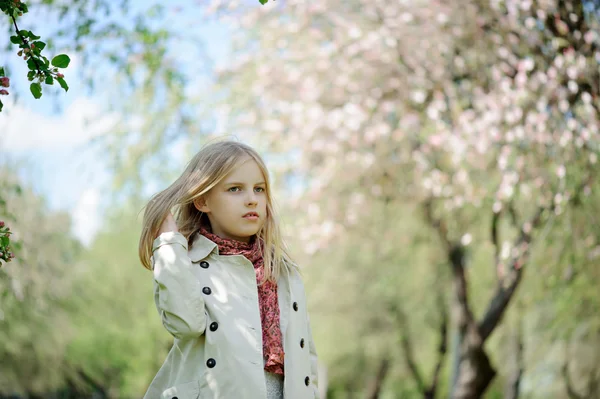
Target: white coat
{"type": "Point", "coordinates": [209, 303]}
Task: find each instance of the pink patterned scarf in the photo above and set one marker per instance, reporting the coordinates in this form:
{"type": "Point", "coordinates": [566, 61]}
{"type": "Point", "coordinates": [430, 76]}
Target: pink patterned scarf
{"type": "Point", "coordinates": [267, 298]}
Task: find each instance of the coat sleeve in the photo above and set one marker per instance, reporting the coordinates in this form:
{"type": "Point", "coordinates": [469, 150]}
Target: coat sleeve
{"type": "Point", "coordinates": [314, 377]}
{"type": "Point", "coordinates": [177, 291]}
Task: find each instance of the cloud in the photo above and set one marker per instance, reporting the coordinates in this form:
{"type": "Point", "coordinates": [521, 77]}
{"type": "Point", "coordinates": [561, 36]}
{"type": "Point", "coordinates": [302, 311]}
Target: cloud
{"type": "Point", "coordinates": [25, 129]}
{"type": "Point", "coordinates": [86, 216]}
{"type": "Point", "coordinates": [70, 177]}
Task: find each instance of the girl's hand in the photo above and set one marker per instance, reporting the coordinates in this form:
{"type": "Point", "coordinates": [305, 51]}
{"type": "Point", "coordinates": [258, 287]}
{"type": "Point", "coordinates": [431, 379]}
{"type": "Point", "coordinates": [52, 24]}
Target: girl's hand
{"type": "Point", "coordinates": [168, 225]}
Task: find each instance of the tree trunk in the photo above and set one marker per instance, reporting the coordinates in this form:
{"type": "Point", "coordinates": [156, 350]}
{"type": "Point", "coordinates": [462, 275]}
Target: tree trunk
{"type": "Point", "coordinates": [375, 387]}
{"type": "Point", "coordinates": [475, 372]}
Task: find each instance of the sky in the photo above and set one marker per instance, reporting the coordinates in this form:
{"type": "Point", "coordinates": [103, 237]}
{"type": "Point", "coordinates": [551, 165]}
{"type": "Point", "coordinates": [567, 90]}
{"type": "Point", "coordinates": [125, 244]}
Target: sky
{"type": "Point", "coordinates": [51, 146]}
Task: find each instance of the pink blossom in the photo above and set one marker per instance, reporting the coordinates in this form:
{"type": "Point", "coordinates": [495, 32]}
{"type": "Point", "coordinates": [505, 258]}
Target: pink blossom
{"type": "Point", "coordinates": [5, 82]}
{"type": "Point", "coordinates": [3, 92]}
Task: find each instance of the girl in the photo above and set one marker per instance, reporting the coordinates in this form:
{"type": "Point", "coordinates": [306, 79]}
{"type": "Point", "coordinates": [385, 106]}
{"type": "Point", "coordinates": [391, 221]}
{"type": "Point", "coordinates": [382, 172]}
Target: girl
{"type": "Point", "coordinates": [224, 285]}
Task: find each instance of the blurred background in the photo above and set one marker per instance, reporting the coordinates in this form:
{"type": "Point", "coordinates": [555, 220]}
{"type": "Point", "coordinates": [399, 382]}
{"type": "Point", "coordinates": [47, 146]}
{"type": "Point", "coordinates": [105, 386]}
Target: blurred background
{"type": "Point", "coordinates": [435, 163]}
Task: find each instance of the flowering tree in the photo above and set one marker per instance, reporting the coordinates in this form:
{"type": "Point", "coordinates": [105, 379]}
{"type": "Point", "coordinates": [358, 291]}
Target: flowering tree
{"type": "Point", "coordinates": [96, 40]}
{"type": "Point", "coordinates": [41, 70]}
{"type": "Point", "coordinates": [487, 106]}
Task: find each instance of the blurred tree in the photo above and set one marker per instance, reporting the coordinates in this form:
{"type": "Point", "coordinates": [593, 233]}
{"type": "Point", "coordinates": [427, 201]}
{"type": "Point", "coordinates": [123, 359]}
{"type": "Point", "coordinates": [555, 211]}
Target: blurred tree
{"type": "Point", "coordinates": [476, 119]}
{"type": "Point", "coordinates": [35, 294]}
{"type": "Point", "coordinates": [76, 323]}
{"type": "Point", "coordinates": [119, 343]}
{"type": "Point", "coordinates": [112, 42]}
{"type": "Point", "coordinates": [481, 112]}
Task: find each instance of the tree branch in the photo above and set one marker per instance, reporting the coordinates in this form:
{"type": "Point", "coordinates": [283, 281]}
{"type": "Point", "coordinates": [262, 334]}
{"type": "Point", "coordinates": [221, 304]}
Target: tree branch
{"type": "Point", "coordinates": [375, 390]}
{"type": "Point", "coordinates": [26, 43]}
{"type": "Point", "coordinates": [568, 383]}
{"type": "Point", "coordinates": [495, 241]}
{"type": "Point", "coordinates": [442, 348]}
{"type": "Point", "coordinates": [456, 257]}
{"type": "Point", "coordinates": [505, 291]}
{"type": "Point", "coordinates": [407, 347]}
{"type": "Point", "coordinates": [514, 387]}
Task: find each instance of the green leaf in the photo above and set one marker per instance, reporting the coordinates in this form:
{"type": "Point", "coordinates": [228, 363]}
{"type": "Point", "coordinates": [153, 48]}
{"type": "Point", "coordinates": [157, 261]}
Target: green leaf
{"type": "Point", "coordinates": [30, 75]}
{"type": "Point", "coordinates": [61, 61]}
{"type": "Point", "coordinates": [1, 71]}
{"type": "Point", "coordinates": [39, 45]}
{"type": "Point", "coordinates": [31, 64]}
{"type": "Point", "coordinates": [15, 39]}
{"type": "Point", "coordinates": [1, 105]}
{"type": "Point", "coordinates": [62, 83]}
{"type": "Point", "coordinates": [34, 37]}
{"type": "Point", "coordinates": [36, 90]}
{"type": "Point", "coordinates": [263, 2]}
{"type": "Point", "coordinates": [24, 33]}
{"type": "Point", "coordinates": [49, 80]}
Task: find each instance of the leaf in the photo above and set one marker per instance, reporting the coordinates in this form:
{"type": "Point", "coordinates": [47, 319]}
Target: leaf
{"type": "Point", "coordinates": [1, 105]}
{"type": "Point", "coordinates": [15, 39]}
{"type": "Point", "coordinates": [1, 71]}
{"type": "Point", "coordinates": [62, 83]}
{"type": "Point", "coordinates": [263, 2]}
{"type": "Point", "coordinates": [61, 61]}
{"type": "Point", "coordinates": [39, 45]}
{"type": "Point", "coordinates": [31, 64]}
{"type": "Point", "coordinates": [36, 90]}
{"type": "Point", "coordinates": [49, 80]}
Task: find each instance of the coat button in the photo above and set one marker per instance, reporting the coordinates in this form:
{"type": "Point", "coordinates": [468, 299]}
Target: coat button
{"type": "Point", "coordinates": [307, 381]}
{"type": "Point", "coordinates": [213, 326]}
{"type": "Point", "coordinates": [295, 305]}
{"type": "Point", "coordinates": [211, 363]}
{"type": "Point", "coordinates": [206, 290]}
{"type": "Point", "coordinates": [204, 264]}
{"type": "Point", "coordinates": [302, 343]}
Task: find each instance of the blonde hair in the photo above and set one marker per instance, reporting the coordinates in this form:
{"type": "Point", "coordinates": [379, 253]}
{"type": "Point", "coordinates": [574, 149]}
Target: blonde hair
{"type": "Point", "coordinates": [206, 169]}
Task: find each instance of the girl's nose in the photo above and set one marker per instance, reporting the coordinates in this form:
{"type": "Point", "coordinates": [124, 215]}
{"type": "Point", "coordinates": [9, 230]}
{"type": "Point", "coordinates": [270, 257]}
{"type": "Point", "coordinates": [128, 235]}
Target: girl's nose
{"type": "Point", "coordinates": [252, 198]}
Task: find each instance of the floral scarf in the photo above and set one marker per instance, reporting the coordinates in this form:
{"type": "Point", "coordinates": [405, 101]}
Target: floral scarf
{"type": "Point", "coordinates": [267, 298]}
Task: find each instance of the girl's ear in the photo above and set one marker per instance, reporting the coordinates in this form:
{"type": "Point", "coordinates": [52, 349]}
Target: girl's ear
{"type": "Point", "coordinates": [200, 204]}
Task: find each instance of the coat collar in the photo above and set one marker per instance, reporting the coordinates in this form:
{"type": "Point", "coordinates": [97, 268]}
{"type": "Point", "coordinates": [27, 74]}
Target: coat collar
{"type": "Point", "coordinates": [201, 247]}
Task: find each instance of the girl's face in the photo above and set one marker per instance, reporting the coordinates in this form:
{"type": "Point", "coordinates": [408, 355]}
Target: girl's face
{"type": "Point", "coordinates": [237, 206]}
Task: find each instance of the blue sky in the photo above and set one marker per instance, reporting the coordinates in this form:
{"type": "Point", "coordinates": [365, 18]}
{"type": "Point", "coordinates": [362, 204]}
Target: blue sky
{"type": "Point", "coordinates": [51, 146]}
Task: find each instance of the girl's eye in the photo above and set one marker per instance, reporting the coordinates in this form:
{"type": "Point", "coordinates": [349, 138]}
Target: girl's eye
{"type": "Point", "coordinates": [259, 189]}
{"type": "Point", "coordinates": [233, 189]}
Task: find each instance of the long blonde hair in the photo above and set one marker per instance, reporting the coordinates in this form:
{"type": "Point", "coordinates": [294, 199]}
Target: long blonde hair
{"type": "Point", "coordinates": [206, 169]}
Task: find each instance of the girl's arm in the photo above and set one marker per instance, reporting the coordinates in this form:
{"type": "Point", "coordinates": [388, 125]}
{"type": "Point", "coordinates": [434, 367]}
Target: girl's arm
{"type": "Point", "coordinates": [177, 291]}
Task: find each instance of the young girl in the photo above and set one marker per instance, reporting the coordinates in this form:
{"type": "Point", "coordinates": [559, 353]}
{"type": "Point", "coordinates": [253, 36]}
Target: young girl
{"type": "Point", "coordinates": [224, 285]}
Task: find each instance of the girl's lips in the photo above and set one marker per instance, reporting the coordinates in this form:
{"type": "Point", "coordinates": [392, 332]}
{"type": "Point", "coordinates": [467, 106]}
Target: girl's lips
{"type": "Point", "coordinates": [251, 216]}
